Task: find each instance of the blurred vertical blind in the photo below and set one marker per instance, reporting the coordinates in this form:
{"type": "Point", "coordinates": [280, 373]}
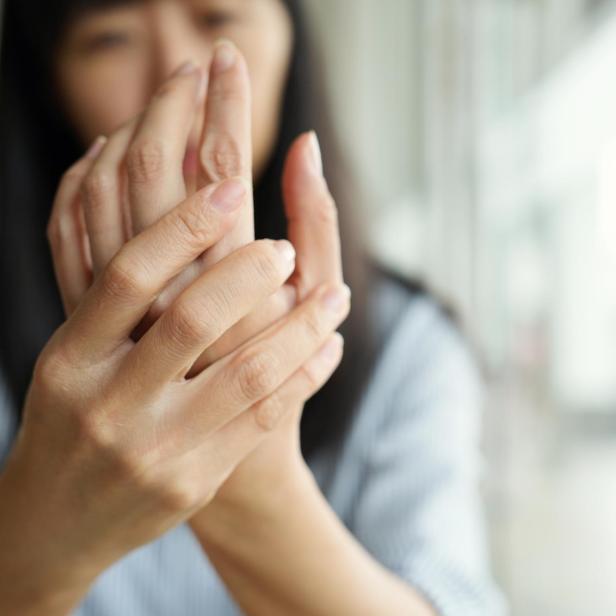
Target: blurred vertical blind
{"type": "Point", "coordinates": [476, 126]}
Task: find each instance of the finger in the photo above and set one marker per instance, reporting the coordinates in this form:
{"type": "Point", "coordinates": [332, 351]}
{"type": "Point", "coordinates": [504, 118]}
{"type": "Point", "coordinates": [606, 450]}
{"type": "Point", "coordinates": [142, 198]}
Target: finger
{"type": "Point", "coordinates": [225, 151]}
{"type": "Point", "coordinates": [209, 307]}
{"type": "Point", "coordinates": [262, 364]}
{"type": "Point", "coordinates": [155, 159]}
{"type": "Point", "coordinates": [127, 287]}
{"type": "Point", "coordinates": [102, 198]}
{"type": "Point", "coordinates": [235, 440]}
{"type": "Point", "coordinates": [226, 143]}
{"type": "Point", "coordinates": [312, 216]}
{"type": "Point", "coordinates": [65, 232]}
{"type": "Point", "coordinates": [273, 308]}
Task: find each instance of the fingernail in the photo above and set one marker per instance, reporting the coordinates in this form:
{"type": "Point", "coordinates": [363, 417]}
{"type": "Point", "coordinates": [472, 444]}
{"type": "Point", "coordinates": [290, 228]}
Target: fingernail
{"type": "Point", "coordinates": [185, 69]}
{"type": "Point", "coordinates": [95, 149]}
{"type": "Point", "coordinates": [316, 161]}
{"type": "Point", "coordinates": [331, 348]}
{"type": "Point", "coordinates": [229, 195]}
{"type": "Point", "coordinates": [224, 55]}
{"type": "Point", "coordinates": [286, 250]}
{"type": "Point", "coordinates": [335, 299]}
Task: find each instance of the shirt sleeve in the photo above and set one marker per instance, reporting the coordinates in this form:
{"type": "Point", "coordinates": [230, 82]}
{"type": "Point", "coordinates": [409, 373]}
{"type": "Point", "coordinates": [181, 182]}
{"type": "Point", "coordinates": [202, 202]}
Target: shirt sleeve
{"type": "Point", "coordinates": [419, 510]}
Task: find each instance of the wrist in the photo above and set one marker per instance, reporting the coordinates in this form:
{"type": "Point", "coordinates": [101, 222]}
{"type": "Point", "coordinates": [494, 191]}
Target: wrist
{"type": "Point", "coordinates": [258, 506]}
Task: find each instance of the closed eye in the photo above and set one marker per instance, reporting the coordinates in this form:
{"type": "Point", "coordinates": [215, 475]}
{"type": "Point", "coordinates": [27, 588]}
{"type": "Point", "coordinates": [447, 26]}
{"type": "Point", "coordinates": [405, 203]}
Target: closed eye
{"type": "Point", "coordinates": [106, 40]}
{"type": "Point", "coordinates": [216, 19]}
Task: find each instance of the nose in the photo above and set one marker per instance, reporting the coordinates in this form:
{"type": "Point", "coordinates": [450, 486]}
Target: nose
{"type": "Point", "coordinates": [176, 40]}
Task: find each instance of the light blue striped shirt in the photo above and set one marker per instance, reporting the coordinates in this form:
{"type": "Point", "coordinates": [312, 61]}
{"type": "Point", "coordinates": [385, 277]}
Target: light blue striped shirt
{"type": "Point", "coordinates": [405, 481]}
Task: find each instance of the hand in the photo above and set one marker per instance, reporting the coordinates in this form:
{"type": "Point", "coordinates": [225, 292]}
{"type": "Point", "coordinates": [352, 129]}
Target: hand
{"type": "Point", "coordinates": [116, 444]}
{"type": "Point", "coordinates": [313, 229]}
{"type": "Point", "coordinates": [225, 151]}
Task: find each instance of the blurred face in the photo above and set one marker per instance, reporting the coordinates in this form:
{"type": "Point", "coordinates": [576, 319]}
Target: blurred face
{"type": "Point", "coordinates": [111, 60]}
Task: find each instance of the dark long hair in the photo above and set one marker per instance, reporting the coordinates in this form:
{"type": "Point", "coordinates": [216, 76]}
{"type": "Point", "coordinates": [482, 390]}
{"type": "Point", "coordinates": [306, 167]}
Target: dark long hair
{"type": "Point", "coordinates": [37, 145]}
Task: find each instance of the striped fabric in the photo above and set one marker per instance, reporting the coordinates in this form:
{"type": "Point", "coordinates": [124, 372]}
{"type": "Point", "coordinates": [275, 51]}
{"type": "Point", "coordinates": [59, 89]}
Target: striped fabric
{"type": "Point", "coordinates": [404, 481]}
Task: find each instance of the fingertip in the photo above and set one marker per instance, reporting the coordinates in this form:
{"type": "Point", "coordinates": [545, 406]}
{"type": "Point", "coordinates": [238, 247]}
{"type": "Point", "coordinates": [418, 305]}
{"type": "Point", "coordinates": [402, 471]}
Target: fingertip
{"type": "Point", "coordinates": [303, 167]}
{"type": "Point", "coordinates": [225, 55]}
{"type": "Point", "coordinates": [286, 249]}
{"type": "Point", "coordinates": [96, 148]}
{"type": "Point", "coordinates": [229, 194]}
{"type": "Point", "coordinates": [313, 153]}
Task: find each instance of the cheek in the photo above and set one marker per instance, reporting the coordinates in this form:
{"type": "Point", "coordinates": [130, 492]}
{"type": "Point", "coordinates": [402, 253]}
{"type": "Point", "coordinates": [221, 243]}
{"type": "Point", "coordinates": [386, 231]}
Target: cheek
{"type": "Point", "coordinates": [98, 100]}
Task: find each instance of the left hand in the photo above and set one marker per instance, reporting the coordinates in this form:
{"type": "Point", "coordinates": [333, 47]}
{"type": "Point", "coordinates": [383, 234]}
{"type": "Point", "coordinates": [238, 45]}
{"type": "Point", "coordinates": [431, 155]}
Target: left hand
{"type": "Point", "coordinates": [226, 150]}
{"type": "Point", "coordinates": [313, 230]}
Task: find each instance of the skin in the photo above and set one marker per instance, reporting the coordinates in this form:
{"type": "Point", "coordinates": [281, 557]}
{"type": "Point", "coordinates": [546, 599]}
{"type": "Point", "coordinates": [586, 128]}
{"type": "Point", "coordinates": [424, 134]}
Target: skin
{"type": "Point", "coordinates": [170, 394]}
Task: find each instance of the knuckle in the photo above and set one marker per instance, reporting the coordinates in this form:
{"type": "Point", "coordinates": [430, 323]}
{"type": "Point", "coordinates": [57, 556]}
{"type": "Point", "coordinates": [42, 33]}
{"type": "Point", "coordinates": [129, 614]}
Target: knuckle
{"type": "Point", "coordinates": [255, 375]}
{"type": "Point", "coordinates": [129, 466]}
{"type": "Point", "coordinates": [215, 309]}
{"type": "Point", "coordinates": [146, 160]}
{"type": "Point", "coordinates": [311, 380]}
{"type": "Point", "coordinates": [184, 323]}
{"type": "Point", "coordinates": [264, 261]}
{"type": "Point", "coordinates": [311, 326]}
{"type": "Point", "coordinates": [56, 371]}
{"type": "Point", "coordinates": [222, 158]}
{"type": "Point", "coordinates": [193, 224]}
{"type": "Point", "coordinates": [97, 187]}
{"type": "Point", "coordinates": [126, 459]}
{"type": "Point", "coordinates": [50, 371]}
{"type": "Point", "coordinates": [268, 412]}
{"type": "Point", "coordinates": [178, 495]}
{"type": "Point", "coordinates": [121, 281]}
{"type": "Point", "coordinates": [143, 473]}
{"type": "Point", "coordinates": [93, 431]}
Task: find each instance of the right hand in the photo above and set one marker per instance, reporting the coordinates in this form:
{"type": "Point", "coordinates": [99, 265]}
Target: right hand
{"type": "Point", "coordinates": [116, 444]}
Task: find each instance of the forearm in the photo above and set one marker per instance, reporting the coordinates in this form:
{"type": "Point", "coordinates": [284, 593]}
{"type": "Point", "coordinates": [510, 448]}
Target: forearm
{"type": "Point", "coordinates": [292, 554]}
{"type": "Point", "coordinates": [36, 578]}
{"type": "Point", "coordinates": [35, 599]}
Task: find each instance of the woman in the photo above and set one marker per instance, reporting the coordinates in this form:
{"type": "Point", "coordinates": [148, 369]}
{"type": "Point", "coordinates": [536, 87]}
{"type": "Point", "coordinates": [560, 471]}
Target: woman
{"type": "Point", "coordinates": [158, 466]}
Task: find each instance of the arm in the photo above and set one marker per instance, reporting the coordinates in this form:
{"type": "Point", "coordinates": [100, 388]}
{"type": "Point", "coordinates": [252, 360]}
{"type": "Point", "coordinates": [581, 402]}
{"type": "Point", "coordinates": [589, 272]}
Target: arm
{"type": "Point", "coordinates": [417, 524]}
{"type": "Point", "coordinates": [116, 446]}
{"type": "Point", "coordinates": [420, 509]}
{"type": "Point", "coordinates": [290, 553]}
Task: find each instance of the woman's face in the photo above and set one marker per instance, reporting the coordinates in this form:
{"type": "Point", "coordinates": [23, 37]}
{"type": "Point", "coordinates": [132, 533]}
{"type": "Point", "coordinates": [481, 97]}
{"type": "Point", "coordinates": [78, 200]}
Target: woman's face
{"type": "Point", "coordinates": [110, 61]}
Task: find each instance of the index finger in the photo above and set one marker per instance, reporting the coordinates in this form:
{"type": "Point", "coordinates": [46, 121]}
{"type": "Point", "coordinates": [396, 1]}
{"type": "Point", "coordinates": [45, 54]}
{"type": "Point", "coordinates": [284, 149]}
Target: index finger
{"type": "Point", "coordinates": [312, 217]}
{"type": "Point", "coordinates": [154, 161]}
{"type": "Point", "coordinates": [129, 285]}
{"type": "Point", "coordinates": [226, 147]}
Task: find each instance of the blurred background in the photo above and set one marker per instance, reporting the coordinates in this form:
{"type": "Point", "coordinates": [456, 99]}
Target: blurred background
{"type": "Point", "coordinates": [485, 132]}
